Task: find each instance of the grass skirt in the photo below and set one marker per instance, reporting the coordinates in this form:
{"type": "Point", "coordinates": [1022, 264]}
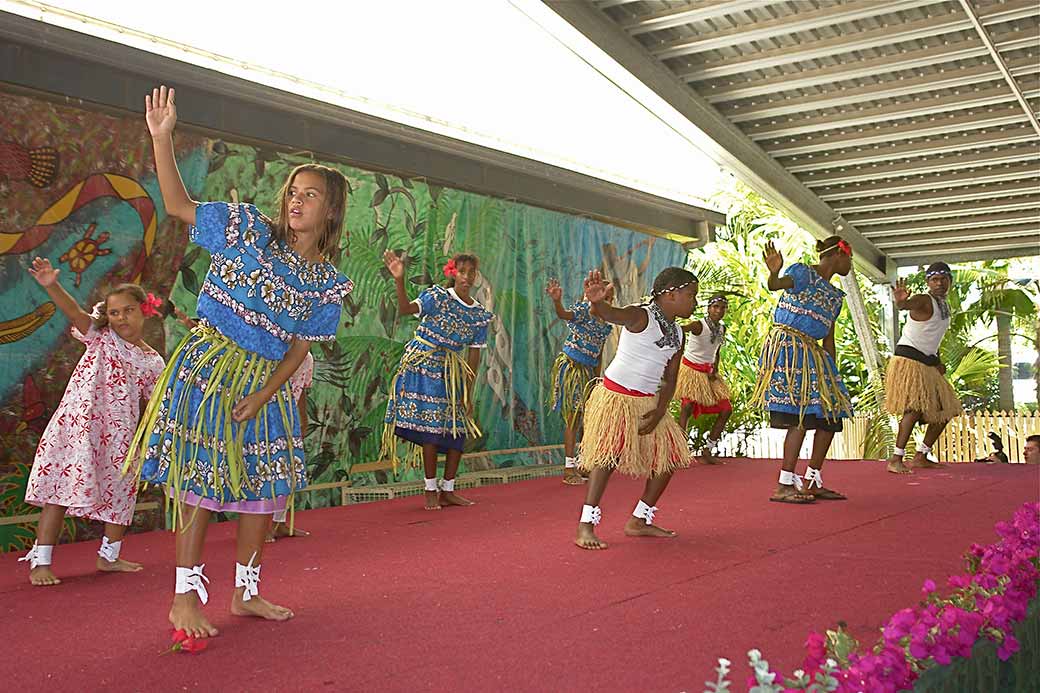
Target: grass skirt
{"type": "Point", "coordinates": [612, 439]}
{"type": "Point", "coordinates": [913, 386]}
{"type": "Point", "coordinates": [570, 387]}
{"type": "Point", "coordinates": [796, 376]}
{"type": "Point", "coordinates": [697, 386]}
{"type": "Point", "coordinates": [429, 403]}
{"type": "Point", "coordinates": [188, 442]}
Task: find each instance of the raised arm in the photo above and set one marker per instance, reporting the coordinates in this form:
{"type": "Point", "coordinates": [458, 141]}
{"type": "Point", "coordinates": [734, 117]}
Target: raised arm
{"type": "Point", "coordinates": [774, 263]}
{"type": "Point", "coordinates": [632, 318]}
{"type": "Point", "coordinates": [556, 294]}
{"type": "Point", "coordinates": [396, 268]}
{"type": "Point", "coordinates": [47, 277]}
{"type": "Point", "coordinates": [919, 305]}
{"type": "Point", "coordinates": [161, 116]}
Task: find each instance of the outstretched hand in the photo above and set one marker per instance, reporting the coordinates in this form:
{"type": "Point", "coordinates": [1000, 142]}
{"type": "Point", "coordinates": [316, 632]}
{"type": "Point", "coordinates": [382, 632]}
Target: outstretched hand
{"type": "Point", "coordinates": [554, 290]}
{"type": "Point", "coordinates": [394, 264]}
{"type": "Point", "coordinates": [43, 272]}
{"type": "Point", "coordinates": [596, 288]}
{"type": "Point", "coordinates": [899, 291]}
{"type": "Point", "coordinates": [160, 112]}
{"type": "Point", "coordinates": [774, 260]}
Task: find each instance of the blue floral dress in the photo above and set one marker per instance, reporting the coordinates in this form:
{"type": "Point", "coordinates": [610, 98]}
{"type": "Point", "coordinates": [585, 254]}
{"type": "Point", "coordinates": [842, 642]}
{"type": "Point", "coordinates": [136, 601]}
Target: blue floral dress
{"type": "Point", "coordinates": [798, 382]}
{"type": "Point", "coordinates": [576, 366]}
{"type": "Point", "coordinates": [258, 296]}
{"type": "Point", "coordinates": [430, 393]}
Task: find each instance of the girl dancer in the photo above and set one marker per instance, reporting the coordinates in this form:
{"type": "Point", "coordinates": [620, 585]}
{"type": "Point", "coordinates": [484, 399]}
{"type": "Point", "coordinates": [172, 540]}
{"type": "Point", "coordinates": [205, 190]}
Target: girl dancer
{"type": "Point", "coordinates": [915, 388]}
{"type": "Point", "coordinates": [575, 368]}
{"type": "Point", "coordinates": [222, 431]}
{"type": "Point", "coordinates": [431, 399]}
{"type": "Point", "coordinates": [798, 380]}
{"type": "Point", "coordinates": [77, 470]}
{"type": "Point", "coordinates": [699, 386]}
{"type": "Point", "coordinates": [627, 424]}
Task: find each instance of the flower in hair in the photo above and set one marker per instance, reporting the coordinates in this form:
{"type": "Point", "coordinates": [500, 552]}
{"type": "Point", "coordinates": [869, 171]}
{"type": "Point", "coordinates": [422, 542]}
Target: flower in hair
{"type": "Point", "coordinates": [97, 310]}
{"type": "Point", "coordinates": [844, 247]}
{"type": "Point", "coordinates": [150, 307]}
{"type": "Point", "coordinates": [450, 270]}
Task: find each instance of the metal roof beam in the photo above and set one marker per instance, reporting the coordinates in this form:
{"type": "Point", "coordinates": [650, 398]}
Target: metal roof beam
{"type": "Point", "coordinates": [666, 19]}
{"type": "Point", "coordinates": [867, 115]}
{"type": "Point", "coordinates": [752, 85]}
{"type": "Point", "coordinates": [971, 255]}
{"type": "Point", "coordinates": [974, 176]}
{"type": "Point", "coordinates": [881, 133]}
{"type": "Point", "coordinates": [930, 147]}
{"type": "Point", "coordinates": [1009, 75]}
{"type": "Point", "coordinates": [836, 96]}
{"type": "Point", "coordinates": [897, 215]}
{"type": "Point", "coordinates": [883, 235]}
{"type": "Point", "coordinates": [873, 38]}
{"type": "Point", "coordinates": [848, 11]}
{"type": "Point", "coordinates": [719, 138]}
{"type": "Point", "coordinates": [1009, 190]}
{"type": "Point", "coordinates": [920, 253]}
{"type": "Point", "coordinates": [989, 157]}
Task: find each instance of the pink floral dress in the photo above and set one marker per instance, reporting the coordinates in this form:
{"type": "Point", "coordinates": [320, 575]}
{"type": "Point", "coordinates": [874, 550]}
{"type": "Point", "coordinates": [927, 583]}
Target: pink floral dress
{"type": "Point", "coordinates": [81, 453]}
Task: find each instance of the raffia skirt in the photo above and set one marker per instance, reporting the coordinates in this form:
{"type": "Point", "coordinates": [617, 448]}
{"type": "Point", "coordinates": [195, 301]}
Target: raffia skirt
{"type": "Point", "coordinates": [696, 385]}
{"type": "Point", "coordinates": [571, 382]}
{"type": "Point", "coordinates": [913, 386]}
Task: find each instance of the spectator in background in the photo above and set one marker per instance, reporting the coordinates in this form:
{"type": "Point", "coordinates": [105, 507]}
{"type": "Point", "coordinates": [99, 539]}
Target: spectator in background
{"type": "Point", "coordinates": [1031, 452]}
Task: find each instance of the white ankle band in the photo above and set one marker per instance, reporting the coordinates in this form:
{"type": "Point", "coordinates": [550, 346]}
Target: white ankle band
{"type": "Point", "coordinates": [570, 462]}
{"type": "Point", "coordinates": [899, 452]}
{"type": "Point", "coordinates": [787, 478]}
{"type": "Point", "coordinates": [711, 444]}
{"type": "Point", "coordinates": [448, 485]}
{"type": "Point", "coordinates": [645, 512]}
{"type": "Point", "coordinates": [431, 484]}
{"type": "Point", "coordinates": [924, 449]}
{"type": "Point", "coordinates": [38, 555]}
{"type": "Point", "coordinates": [192, 580]}
{"type": "Point", "coordinates": [248, 576]}
{"type": "Point", "coordinates": [813, 476]}
{"type": "Point", "coordinates": [591, 514]}
{"type": "Point", "coordinates": [279, 516]}
{"type": "Point", "coordinates": [110, 549]}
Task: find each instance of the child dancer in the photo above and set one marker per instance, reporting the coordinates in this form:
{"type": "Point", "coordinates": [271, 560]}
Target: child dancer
{"type": "Point", "coordinates": [627, 424]}
{"type": "Point", "coordinates": [699, 385]}
{"type": "Point", "coordinates": [77, 470]}
{"type": "Point", "coordinates": [222, 430]}
{"type": "Point", "coordinates": [915, 388]}
{"type": "Point", "coordinates": [299, 384]}
{"type": "Point", "coordinates": [798, 380]}
{"type": "Point", "coordinates": [576, 366]}
{"type": "Point", "coordinates": [431, 399]}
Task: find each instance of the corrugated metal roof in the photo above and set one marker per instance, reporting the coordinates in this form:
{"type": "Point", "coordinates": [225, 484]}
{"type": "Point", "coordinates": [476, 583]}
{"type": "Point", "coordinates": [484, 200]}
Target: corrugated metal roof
{"type": "Point", "coordinates": [896, 113]}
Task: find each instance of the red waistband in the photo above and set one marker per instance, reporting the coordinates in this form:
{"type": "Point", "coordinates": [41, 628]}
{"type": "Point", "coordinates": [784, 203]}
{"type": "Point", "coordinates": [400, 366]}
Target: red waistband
{"type": "Point", "coordinates": [621, 389]}
{"type": "Point", "coordinates": [702, 367]}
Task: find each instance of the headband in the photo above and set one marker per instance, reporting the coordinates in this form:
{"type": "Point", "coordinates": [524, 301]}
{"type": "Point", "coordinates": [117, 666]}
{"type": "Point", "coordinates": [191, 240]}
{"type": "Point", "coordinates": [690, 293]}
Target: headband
{"type": "Point", "coordinates": [655, 294]}
{"type": "Point", "coordinates": [718, 299]}
{"type": "Point", "coordinates": [841, 245]}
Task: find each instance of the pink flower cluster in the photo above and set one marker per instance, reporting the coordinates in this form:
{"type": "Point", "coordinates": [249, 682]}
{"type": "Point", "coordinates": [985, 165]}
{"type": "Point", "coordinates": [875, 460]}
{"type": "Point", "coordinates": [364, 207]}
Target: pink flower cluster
{"type": "Point", "coordinates": [985, 602]}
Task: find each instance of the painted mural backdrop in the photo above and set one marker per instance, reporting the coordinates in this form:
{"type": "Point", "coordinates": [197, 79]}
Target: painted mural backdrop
{"type": "Point", "coordinates": [78, 188]}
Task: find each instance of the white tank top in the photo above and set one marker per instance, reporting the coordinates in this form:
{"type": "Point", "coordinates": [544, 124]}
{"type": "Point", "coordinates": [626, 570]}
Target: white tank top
{"type": "Point", "coordinates": [926, 335]}
{"type": "Point", "coordinates": [640, 359]}
{"type": "Point", "coordinates": [699, 348]}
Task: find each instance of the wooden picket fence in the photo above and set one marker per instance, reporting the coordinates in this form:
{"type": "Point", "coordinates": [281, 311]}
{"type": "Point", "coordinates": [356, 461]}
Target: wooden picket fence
{"type": "Point", "coordinates": [768, 443]}
{"type": "Point", "coordinates": [966, 438]}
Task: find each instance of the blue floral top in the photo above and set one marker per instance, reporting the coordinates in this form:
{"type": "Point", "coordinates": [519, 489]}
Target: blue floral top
{"type": "Point", "coordinates": [812, 305]}
{"type": "Point", "coordinates": [448, 322]}
{"type": "Point", "coordinates": [259, 292]}
{"type": "Point", "coordinates": [587, 335]}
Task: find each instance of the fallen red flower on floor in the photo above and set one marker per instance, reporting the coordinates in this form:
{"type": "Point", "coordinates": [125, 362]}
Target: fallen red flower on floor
{"type": "Point", "coordinates": [182, 642]}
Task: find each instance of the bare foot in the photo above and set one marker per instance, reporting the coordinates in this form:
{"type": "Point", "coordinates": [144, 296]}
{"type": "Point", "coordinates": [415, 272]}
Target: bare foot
{"type": "Point", "coordinates": [636, 527]}
{"type": "Point", "coordinates": [587, 538]}
{"type": "Point", "coordinates": [787, 493]}
{"type": "Point", "coordinates": [186, 615]}
{"type": "Point", "coordinates": [42, 576]}
{"type": "Point", "coordinates": [259, 607]}
{"type": "Point", "coordinates": [572, 477]}
{"type": "Point", "coordinates": [896, 466]}
{"type": "Point", "coordinates": [118, 566]}
{"type": "Point", "coordinates": [280, 530]}
{"type": "Point", "coordinates": [709, 458]}
{"type": "Point", "coordinates": [452, 498]}
{"type": "Point", "coordinates": [433, 500]}
{"type": "Point", "coordinates": [922, 462]}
